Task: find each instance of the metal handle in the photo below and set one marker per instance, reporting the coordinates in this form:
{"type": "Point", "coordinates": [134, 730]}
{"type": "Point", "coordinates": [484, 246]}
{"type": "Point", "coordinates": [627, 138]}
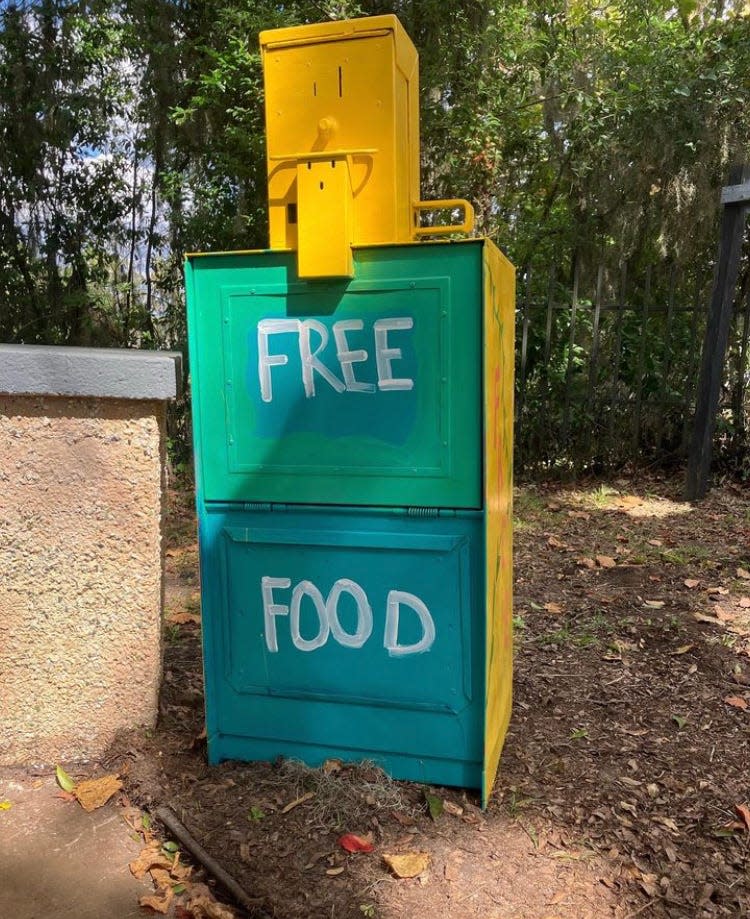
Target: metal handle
{"type": "Point", "coordinates": [446, 204]}
{"type": "Point", "coordinates": [315, 155]}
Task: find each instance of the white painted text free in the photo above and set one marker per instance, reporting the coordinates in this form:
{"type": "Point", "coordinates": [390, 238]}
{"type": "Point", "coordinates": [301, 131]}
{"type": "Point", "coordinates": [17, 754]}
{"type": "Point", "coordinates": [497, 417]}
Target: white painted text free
{"type": "Point", "coordinates": [311, 357]}
{"type": "Point", "coordinates": [329, 625]}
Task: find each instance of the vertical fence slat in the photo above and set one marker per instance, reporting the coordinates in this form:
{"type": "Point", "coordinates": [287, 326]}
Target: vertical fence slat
{"type": "Point", "coordinates": [616, 410]}
{"type": "Point", "coordinates": [546, 434]}
{"type": "Point", "coordinates": [594, 362]}
{"type": "Point", "coordinates": [565, 434]}
{"type": "Point", "coordinates": [640, 373]}
{"type": "Point", "coordinates": [550, 308]}
{"type": "Point", "coordinates": [692, 367]}
{"type": "Point", "coordinates": [740, 388]}
{"type": "Point", "coordinates": [666, 360]}
{"type": "Point", "coordinates": [524, 349]}
{"type": "Point", "coordinates": [521, 400]}
{"type": "Point", "coordinates": [616, 364]}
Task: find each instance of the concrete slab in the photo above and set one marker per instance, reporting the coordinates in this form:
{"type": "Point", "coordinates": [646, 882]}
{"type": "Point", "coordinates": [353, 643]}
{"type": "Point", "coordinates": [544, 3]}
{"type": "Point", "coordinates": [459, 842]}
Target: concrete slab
{"type": "Point", "coordinates": [103, 373]}
{"type": "Point", "coordinates": [57, 860]}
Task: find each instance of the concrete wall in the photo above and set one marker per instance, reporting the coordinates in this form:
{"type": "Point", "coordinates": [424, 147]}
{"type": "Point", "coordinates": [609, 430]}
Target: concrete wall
{"type": "Point", "coordinates": [81, 506]}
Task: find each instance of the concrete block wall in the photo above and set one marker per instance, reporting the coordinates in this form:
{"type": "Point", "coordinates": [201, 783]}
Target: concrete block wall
{"type": "Point", "coordinates": [82, 445]}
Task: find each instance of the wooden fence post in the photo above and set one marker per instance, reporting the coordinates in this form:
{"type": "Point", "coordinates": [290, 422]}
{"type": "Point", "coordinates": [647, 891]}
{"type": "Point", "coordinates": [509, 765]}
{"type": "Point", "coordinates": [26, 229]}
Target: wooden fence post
{"type": "Point", "coordinates": [736, 200]}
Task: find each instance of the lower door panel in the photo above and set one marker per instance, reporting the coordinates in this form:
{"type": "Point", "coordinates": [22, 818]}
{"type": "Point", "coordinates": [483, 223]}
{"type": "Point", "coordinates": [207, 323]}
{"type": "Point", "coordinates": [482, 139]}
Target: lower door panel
{"type": "Point", "coordinates": [347, 633]}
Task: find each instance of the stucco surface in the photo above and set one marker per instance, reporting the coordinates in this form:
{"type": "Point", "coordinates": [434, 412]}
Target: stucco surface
{"type": "Point", "coordinates": [80, 573]}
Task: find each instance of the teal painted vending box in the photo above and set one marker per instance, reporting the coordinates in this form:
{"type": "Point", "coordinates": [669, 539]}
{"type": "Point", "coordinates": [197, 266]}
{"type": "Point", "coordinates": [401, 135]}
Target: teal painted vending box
{"type": "Point", "coordinates": [361, 392]}
{"type": "Point", "coordinates": [352, 452]}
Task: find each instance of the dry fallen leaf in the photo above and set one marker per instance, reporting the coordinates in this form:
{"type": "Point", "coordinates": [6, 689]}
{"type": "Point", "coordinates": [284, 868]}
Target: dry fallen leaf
{"type": "Point", "coordinates": [587, 562]}
{"type": "Point", "coordinates": [296, 802]}
{"type": "Point", "coordinates": [332, 765]}
{"type": "Point", "coordinates": [408, 865]}
{"type": "Point", "coordinates": [650, 884]}
{"type": "Point", "coordinates": [655, 542]}
{"type": "Point", "coordinates": [403, 819]}
{"type": "Point", "coordinates": [183, 618]}
{"type": "Point", "coordinates": [334, 872]}
{"type": "Point", "coordinates": [724, 615]}
{"type": "Point", "coordinates": [150, 857]}
{"type": "Point", "coordinates": [454, 870]}
{"type": "Point", "coordinates": [683, 649]}
{"type": "Point", "coordinates": [654, 604]}
{"type": "Point", "coordinates": [736, 702]}
{"type": "Point", "coordinates": [606, 561]}
{"type": "Point", "coordinates": [162, 877]}
{"type": "Point", "coordinates": [579, 515]}
{"type": "Point", "coordinates": [202, 905]}
{"type": "Point", "coordinates": [718, 591]}
{"type": "Point", "coordinates": [94, 793]}
{"type": "Point", "coordinates": [553, 608]}
{"type": "Point", "coordinates": [690, 583]}
{"type": "Point", "coordinates": [745, 602]}
{"type": "Point", "coordinates": [555, 543]}
{"type": "Point", "coordinates": [559, 897]}
{"type": "Point", "coordinates": [454, 809]}
{"type": "Point", "coordinates": [743, 573]}
{"type": "Point", "coordinates": [160, 901]}
{"type": "Point", "coordinates": [179, 872]}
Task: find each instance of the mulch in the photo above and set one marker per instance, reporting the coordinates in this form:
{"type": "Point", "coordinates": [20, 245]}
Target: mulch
{"type": "Point", "coordinates": [623, 788]}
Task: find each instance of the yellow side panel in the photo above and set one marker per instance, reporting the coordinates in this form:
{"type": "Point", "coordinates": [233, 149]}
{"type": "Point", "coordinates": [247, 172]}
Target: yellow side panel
{"type": "Point", "coordinates": [499, 329]}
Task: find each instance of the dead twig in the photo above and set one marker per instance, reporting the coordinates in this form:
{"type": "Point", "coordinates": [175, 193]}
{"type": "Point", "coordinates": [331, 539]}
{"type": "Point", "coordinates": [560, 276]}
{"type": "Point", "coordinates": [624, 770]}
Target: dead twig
{"type": "Point", "coordinates": [181, 833]}
{"type": "Point", "coordinates": [642, 909]}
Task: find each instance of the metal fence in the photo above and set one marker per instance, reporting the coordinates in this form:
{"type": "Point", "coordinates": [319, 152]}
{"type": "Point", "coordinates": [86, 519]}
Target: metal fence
{"type": "Point", "coordinates": [607, 363]}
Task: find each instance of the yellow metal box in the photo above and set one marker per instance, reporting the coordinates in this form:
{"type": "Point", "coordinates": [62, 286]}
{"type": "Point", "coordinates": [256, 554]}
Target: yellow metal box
{"type": "Point", "coordinates": [342, 125]}
{"type": "Point", "coordinates": [341, 96]}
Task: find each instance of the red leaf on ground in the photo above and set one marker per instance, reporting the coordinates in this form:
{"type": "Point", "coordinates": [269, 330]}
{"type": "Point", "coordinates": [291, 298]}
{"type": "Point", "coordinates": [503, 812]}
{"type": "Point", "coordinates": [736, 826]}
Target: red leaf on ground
{"type": "Point", "coordinates": [743, 811]}
{"type": "Point", "coordinates": [736, 702]}
{"type": "Point", "coordinates": [353, 843]}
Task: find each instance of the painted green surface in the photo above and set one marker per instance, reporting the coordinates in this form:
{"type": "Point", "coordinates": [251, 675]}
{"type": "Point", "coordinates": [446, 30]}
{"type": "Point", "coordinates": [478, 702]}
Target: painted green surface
{"type": "Point", "coordinates": [316, 509]}
{"type": "Point", "coordinates": [332, 677]}
{"type": "Point", "coordinates": [388, 411]}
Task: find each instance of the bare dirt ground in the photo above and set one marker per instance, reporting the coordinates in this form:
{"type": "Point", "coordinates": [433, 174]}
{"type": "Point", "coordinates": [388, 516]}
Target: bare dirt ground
{"type": "Point", "coordinates": [623, 789]}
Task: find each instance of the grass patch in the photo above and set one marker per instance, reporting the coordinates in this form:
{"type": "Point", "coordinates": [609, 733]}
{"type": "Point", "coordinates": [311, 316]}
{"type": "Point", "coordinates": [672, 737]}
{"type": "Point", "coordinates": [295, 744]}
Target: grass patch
{"type": "Point", "coordinates": [684, 555]}
{"type": "Point", "coordinates": [528, 510]}
{"type": "Point", "coordinates": [348, 796]}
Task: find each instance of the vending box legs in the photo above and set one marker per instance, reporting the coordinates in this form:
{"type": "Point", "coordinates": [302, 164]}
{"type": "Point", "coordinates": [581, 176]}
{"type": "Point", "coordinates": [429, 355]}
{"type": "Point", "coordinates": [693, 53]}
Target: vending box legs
{"type": "Point", "coordinates": [353, 467]}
